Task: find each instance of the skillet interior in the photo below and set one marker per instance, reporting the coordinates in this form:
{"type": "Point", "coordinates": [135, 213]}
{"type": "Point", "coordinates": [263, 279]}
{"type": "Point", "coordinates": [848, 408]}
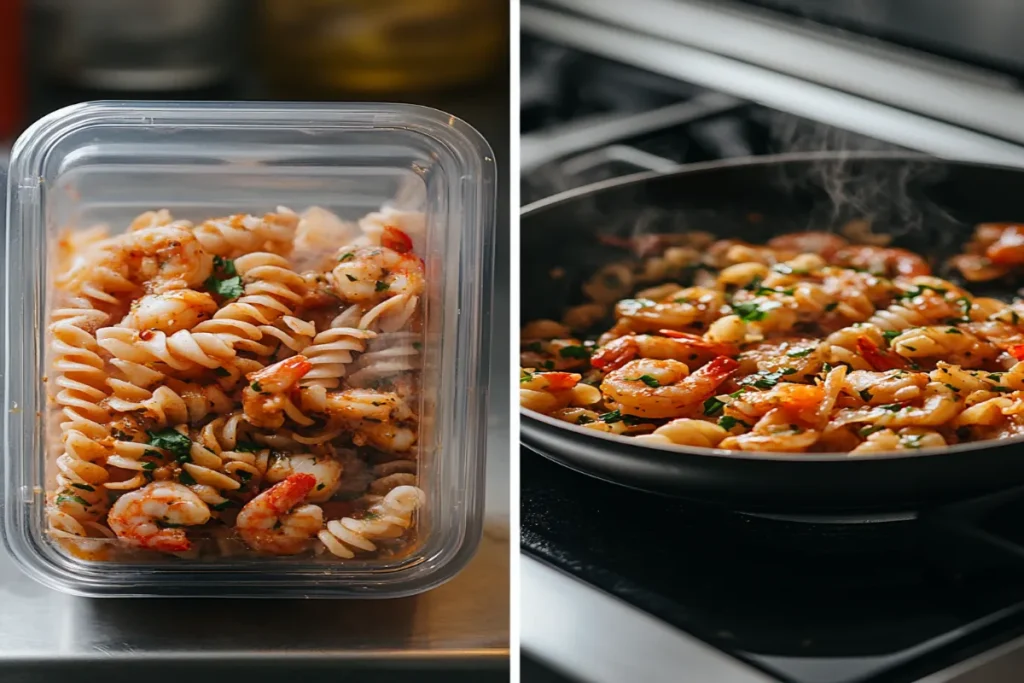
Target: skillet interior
{"type": "Point", "coordinates": [928, 206]}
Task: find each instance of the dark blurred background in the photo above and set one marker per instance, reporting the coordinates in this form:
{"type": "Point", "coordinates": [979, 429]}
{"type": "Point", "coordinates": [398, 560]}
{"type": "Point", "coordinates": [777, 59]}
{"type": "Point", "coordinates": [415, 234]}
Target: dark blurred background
{"type": "Point", "coordinates": [451, 54]}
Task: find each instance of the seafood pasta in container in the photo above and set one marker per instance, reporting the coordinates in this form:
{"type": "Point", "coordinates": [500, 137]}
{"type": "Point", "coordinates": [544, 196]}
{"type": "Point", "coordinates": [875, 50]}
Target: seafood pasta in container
{"type": "Point", "coordinates": [244, 348]}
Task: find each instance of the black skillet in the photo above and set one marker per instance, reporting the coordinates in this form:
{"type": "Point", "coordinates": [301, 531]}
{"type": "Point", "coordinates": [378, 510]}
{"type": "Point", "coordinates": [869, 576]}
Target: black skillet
{"type": "Point", "coordinates": [928, 206]}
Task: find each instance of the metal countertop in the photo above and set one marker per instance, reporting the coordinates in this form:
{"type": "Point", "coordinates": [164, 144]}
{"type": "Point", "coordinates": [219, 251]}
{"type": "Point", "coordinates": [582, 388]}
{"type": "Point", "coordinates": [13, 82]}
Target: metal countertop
{"type": "Point", "coordinates": [457, 632]}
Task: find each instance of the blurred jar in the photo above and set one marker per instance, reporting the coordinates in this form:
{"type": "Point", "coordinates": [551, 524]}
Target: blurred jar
{"type": "Point", "coordinates": [318, 47]}
{"type": "Point", "coordinates": [139, 45]}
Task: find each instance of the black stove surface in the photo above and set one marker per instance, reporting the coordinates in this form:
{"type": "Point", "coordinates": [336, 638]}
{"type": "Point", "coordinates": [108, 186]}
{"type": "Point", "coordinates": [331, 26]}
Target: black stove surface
{"type": "Point", "coordinates": [808, 603]}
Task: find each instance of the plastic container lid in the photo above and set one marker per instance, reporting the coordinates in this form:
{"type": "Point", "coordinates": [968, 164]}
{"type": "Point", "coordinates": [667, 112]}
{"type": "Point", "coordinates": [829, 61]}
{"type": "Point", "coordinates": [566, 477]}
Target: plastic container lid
{"type": "Point", "coordinates": [127, 384]}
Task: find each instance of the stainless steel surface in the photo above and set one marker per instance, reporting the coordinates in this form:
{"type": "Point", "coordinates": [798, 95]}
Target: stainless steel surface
{"type": "Point", "coordinates": [771, 88]}
{"type": "Point", "coordinates": [599, 639]}
{"type": "Point", "coordinates": [560, 141]}
{"type": "Point", "coordinates": [898, 77]}
{"type": "Point", "coordinates": [983, 30]}
{"type": "Point", "coordinates": [1001, 665]}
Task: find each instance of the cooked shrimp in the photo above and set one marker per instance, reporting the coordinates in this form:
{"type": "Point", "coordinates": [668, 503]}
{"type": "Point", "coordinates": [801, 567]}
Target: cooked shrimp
{"type": "Point", "coordinates": [265, 398]}
{"type": "Point", "coordinates": [168, 312]}
{"type": "Point", "coordinates": [673, 346]}
{"type": "Point", "coordinates": [910, 438]}
{"type": "Point", "coordinates": [152, 517]}
{"type": "Point", "coordinates": [876, 357]}
{"type": "Point", "coordinates": [978, 268]}
{"type": "Point", "coordinates": [169, 256]}
{"type": "Point", "coordinates": [664, 388]}
{"type": "Point", "coordinates": [1008, 248]}
{"type": "Point", "coordinates": [275, 522]}
{"type": "Point", "coordinates": [893, 386]}
{"type": "Point", "coordinates": [774, 433]}
{"type": "Point", "coordinates": [800, 401]}
{"type": "Point", "coordinates": [939, 404]}
{"type": "Point", "coordinates": [888, 261]}
{"type": "Point", "coordinates": [693, 305]}
{"type": "Point", "coordinates": [326, 469]}
{"type": "Point", "coordinates": [371, 274]}
{"type": "Point", "coordinates": [825, 244]}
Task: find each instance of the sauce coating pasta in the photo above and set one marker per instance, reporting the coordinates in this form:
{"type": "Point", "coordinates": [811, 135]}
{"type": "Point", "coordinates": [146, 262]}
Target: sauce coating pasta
{"type": "Point", "coordinates": [246, 384]}
{"type": "Point", "coordinates": [808, 343]}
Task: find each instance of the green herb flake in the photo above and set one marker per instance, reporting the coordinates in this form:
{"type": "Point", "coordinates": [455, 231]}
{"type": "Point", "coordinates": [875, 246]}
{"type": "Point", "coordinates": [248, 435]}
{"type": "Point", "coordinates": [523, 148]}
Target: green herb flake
{"type": "Point", "coordinates": [320, 486]}
{"type": "Point", "coordinates": [185, 478]}
{"type": "Point", "coordinates": [1014, 317]}
{"type": "Point", "coordinates": [548, 365]}
{"type": "Point", "coordinates": [646, 379]}
{"type": "Point", "coordinates": [911, 440]}
{"type": "Point", "coordinates": [244, 475]}
{"type": "Point", "coordinates": [611, 418]}
{"type": "Point", "coordinates": [800, 353]}
{"type": "Point", "coordinates": [418, 346]}
{"type": "Point", "coordinates": [994, 377]}
{"type": "Point", "coordinates": [119, 435]}
{"type": "Point", "coordinates": [221, 372]}
{"type": "Point", "coordinates": [149, 465]}
{"type": "Point", "coordinates": [578, 352]}
{"type": "Point", "coordinates": [381, 286]}
{"type": "Point", "coordinates": [713, 406]}
{"type": "Point", "coordinates": [67, 498]}
{"type": "Point", "coordinates": [727, 422]}
{"type": "Point", "coordinates": [527, 377]}
{"type": "Point", "coordinates": [768, 291]}
{"type": "Point", "coordinates": [231, 288]}
{"type": "Point", "coordinates": [751, 311]}
{"type": "Point", "coordinates": [171, 440]}
{"type": "Point", "coordinates": [891, 334]}
{"type": "Point", "coordinates": [766, 380]}
{"type": "Point", "coordinates": [893, 407]}
{"type": "Point", "coordinates": [953, 330]}
{"type": "Point", "coordinates": [346, 257]}
{"type": "Point", "coordinates": [918, 290]}
{"type": "Point", "coordinates": [256, 386]}
{"type": "Point", "coordinates": [351, 278]}
{"type": "Point", "coordinates": [865, 395]}
{"type": "Point", "coordinates": [831, 307]}
{"type": "Point", "coordinates": [868, 431]}
{"type": "Point", "coordinates": [83, 487]}
{"type": "Point", "coordinates": [952, 388]}
{"type": "Point", "coordinates": [1001, 389]}
{"type": "Point", "coordinates": [584, 420]}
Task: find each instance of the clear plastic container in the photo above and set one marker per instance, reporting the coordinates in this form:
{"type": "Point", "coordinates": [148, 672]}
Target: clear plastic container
{"type": "Point", "coordinates": [106, 163]}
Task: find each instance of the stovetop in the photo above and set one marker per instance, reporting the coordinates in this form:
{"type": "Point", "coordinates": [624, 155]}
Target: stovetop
{"type": "Point", "coordinates": [805, 602]}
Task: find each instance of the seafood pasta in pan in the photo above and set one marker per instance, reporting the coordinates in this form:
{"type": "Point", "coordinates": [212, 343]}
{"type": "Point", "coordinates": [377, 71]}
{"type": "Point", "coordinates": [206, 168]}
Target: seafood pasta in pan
{"type": "Point", "coordinates": [240, 385]}
{"type": "Point", "coordinates": [811, 342]}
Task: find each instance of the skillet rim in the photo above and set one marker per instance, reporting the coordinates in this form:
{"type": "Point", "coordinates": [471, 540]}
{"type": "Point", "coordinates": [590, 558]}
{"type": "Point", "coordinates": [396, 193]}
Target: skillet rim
{"type": "Point", "coordinates": [751, 161]}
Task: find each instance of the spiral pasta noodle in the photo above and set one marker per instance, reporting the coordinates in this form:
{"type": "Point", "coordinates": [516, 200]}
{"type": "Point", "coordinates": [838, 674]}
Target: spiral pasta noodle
{"type": "Point", "coordinates": [194, 371]}
{"type": "Point", "coordinates": [807, 344]}
{"type": "Point", "coordinates": [388, 518]}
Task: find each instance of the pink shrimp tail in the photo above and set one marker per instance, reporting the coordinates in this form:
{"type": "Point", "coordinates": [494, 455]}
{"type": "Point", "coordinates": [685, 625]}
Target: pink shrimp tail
{"type": "Point", "coordinates": [286, 494]}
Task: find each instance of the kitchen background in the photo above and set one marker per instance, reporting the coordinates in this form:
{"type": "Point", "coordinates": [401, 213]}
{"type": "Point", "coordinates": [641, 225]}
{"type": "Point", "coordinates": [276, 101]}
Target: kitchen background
{"type": "Point", "coordinates": [448, 54]}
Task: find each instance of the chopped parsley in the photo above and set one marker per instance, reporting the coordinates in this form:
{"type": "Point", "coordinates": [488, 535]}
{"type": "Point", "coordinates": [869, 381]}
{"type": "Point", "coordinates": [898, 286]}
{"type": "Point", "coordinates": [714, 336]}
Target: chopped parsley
{"type": "Point", "coordinates": [1001, 389]}
{"type": "Point", "coordinates": [320, 486]}
{"type": "Point", "coordinates": [149, 465]}
{"type": "Point", "coordinates": [965, 304]}
{"type": "Point", "coordinates": [584, 420]}
{"type": "Point", "coordinates": [893, 407]}
{"type": "Point", "coordinates": [713, 406]}
{"type": "Point", "coordinates": [67, 498]}
{"type": "Point", "coordinates": [766, 291]}
{"type": "Point", "coordinates": [868, 431]}
{"type": "Point", "coordinates": [226, 266]}
{"type": "Point", "coordinates": [727, 422]}
{"type": "Point", "coordinates": [646, 379]}
{"type": "Point", "coordinates": [891, 334]}
{"type": "Point", "coordinates": [186, 478]}
{"type": "Point", "coordinates": [789, 270]}
{"type": "Point", "coordinates": [831, 307]}
{"type": "Point", "coordinates": [346, 257]}
{"type": "Point", "coordinates": [247, 447]}
{"type": "Point", "coordinates": [255, 386]}
{"type": "Point", "coordinates": [918, 290]}
{"type": "Point", "coordinates": [527, 377]}
{"type": "Point", "coordinates": [351, 278]}
{"type": "Point", "coordinates": [865, 395]}
{"type": "Point", "coordinates": [912, 440]}
{"type": "Point", "coordinates": [381, 286]}
{"type": "Point", "coordinates": [953, 330]}
{"type": "Point", "coordinates": [169, 439]}
{"type": "Point", "coordinates": [799, 353]}
{"type": "Point", "coordinates": [221, 372]}
{"type": "Point", "coordinates": [579, 352]}
{"type": "Point", "coordinates": [225, 281]}
{"type": "Point", "coordinates": [751, 311]}
{"type": "Point", "coordinates": [1014, 317]}
{"type": "Point", "coordinates": [84, 487]}
{"type": "Point", "coordinates": [244, 475]}
{"type": "Point", "coordinates": [119, 435]}
{"type": "Point", "coordinates": [766, 380]}
{"type": "Point", "coordinates": [548, 365]}
{"type": "Point", "coordinates": [952, 388]}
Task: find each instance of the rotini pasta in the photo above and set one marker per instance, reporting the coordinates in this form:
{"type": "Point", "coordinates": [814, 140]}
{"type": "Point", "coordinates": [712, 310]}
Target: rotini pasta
{"type": "Point", "coordinates": [207, 390]}
{"type": "Point", "coordinates": [806, 344]}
